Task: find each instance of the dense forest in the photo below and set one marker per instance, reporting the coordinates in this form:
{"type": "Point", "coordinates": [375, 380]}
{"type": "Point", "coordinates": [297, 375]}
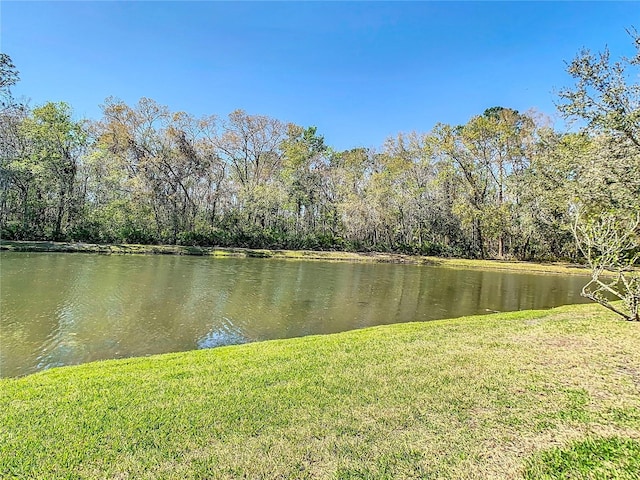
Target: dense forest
{"type": "Point", "coordinates": [504, 185]}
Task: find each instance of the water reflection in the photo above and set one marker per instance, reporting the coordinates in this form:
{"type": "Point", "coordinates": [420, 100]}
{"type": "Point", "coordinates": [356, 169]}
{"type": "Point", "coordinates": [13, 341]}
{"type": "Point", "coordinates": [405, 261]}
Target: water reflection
{"type": "Point", "coordinates": [225, 334]}
{"type": "Point", "coordinates": [61, 309]}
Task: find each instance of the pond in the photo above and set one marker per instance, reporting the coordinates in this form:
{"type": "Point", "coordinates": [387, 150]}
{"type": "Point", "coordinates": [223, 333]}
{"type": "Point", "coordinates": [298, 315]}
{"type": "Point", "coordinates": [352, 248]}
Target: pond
{"type": "Point", "coordinates": [64, 309]}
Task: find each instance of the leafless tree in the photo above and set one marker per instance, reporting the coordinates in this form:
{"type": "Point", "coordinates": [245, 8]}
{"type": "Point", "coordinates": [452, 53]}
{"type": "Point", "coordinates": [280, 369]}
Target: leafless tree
{"type": "Point", "coordinates": [610, 244]}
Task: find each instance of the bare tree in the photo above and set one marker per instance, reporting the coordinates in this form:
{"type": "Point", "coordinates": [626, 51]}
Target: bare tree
{"type": "Point", "coordinates": [611, 245]}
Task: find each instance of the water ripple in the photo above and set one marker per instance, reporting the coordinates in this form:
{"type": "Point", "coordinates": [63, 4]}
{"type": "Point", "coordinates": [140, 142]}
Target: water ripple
{"type": "Point", "coordinates": [224, 334]}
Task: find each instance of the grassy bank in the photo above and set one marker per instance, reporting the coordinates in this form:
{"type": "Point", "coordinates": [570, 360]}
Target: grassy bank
{"type": "Point", "coordinates": [542, 394]}
{"type": "Point", "coordinates": [560, 268]}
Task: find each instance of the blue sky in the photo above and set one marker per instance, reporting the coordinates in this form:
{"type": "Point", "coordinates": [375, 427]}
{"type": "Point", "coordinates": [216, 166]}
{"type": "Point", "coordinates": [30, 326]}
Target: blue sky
{"type": "Point", "coordinates": [358, 71]}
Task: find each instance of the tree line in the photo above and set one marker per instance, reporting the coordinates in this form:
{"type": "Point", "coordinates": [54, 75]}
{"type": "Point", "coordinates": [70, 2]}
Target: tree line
{"type": "Point", "coordinates": [505, 184]}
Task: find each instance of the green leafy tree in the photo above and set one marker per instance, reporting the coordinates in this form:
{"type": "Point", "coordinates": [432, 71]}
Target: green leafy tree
{"type": "Point", "coordinates": [250, 146]}
{"type": "Point", "coordinates": [606, 95]}
{"type": "Point", "coordinates": [351, 171]}
{"type": "Point", "coordinates": [484, 154]}
{"type": "Point", "coordinates": [9, 76]}
{"type": "Point", "coordinates": [172, 169]}
{"type": "Point", "coordinates": [304, 157]}
{"type": "Point", "coordinates": [55, 145]}
{"type": "Point", "coordinates": [412, 188]}
{"type": "Point", "coordinates": [14, 179]}
{"type": "Point", "coordinates": [607, 202]}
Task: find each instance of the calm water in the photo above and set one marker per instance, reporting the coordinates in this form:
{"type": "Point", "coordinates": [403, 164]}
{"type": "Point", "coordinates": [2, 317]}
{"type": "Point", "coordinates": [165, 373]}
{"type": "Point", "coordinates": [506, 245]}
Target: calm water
{"type": "Point", "coordinates": [63, 309]}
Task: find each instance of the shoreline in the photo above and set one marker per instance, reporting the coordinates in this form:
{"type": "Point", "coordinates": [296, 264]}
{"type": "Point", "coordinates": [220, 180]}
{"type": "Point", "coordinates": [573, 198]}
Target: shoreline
{"type": "Point", "coordinates": [501, 394]}
{"type": "Point", "coordinates": [315, 255]}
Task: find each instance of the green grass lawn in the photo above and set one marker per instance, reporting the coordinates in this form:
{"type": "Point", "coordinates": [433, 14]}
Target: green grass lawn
{"type": "Point", "coordinates": [542, 394]}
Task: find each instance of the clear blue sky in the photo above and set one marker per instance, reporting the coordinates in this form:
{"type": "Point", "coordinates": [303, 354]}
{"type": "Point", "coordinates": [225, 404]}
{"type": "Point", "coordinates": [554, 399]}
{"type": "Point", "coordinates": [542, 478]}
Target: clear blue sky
{"type": "Point", "coordinates": [360, 71]}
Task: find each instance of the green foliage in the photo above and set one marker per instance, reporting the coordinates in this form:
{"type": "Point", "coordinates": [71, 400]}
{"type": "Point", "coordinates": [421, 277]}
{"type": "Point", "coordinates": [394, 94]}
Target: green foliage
{"type": "Point", "coordinates": [17, 231]}
{"type": "Point", "coordinates": [9, 76]}
{"type": "Point", "coordinates": [605, 96]}
{"type": "Point", "coordinates": [489, 157]}
{"type": "Point", "coordinates": [604, 173]}
{"type": "Point", "coordinates": [152, 176]}
{"type": "Point", "coordinates": [502, 185]}
{"type": "Point", "coordinates": [40, 171]}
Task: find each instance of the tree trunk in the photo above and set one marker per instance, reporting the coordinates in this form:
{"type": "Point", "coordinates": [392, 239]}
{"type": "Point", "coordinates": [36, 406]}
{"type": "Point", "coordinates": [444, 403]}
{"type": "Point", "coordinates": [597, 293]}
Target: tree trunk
{"type": "Point", "coordinates": [59, 214]}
